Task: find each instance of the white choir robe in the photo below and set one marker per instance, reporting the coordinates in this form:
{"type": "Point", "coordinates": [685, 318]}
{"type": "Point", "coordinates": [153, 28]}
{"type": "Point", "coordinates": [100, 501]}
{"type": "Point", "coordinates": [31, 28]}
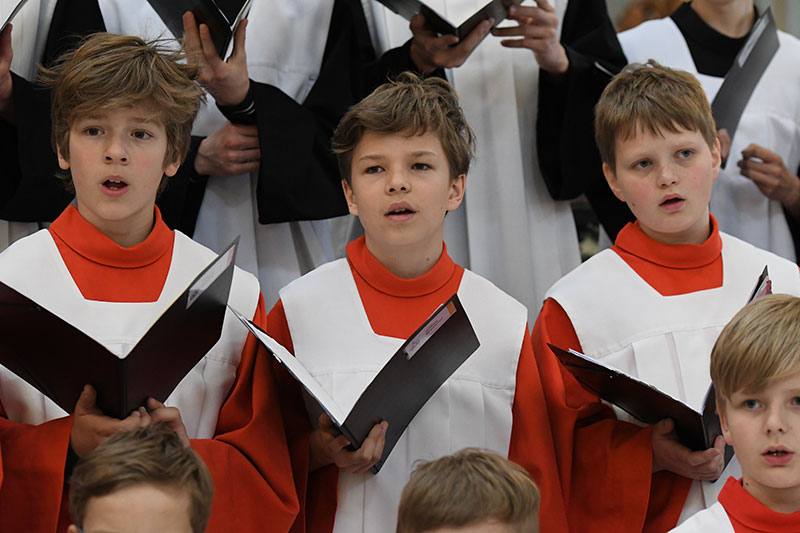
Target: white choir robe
{"type": "Point", "coordinates": [333, 338]}
{"type": "Point", "coordinates": [666, 341]}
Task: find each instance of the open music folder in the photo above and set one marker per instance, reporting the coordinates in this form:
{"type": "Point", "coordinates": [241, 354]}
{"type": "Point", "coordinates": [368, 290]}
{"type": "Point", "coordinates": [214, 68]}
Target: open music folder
{"type": "Point", "coordinates": [497, 9]}
{"type": "Point", "coordinates": [405, 383]}
{"type": "Point", "coordinates": [696, 429]}
{"type": "Point", "coordinates": [221, 17]}
{"type": "Point", "coordinates": [59, 359]}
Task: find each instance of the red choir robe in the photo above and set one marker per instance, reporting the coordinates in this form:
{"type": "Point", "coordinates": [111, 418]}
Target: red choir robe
{"type": "Point", "coordinates": [738, 511]}
{"type": "Point", "coordinates": [396, 307]}
{"type": "Point", "coordinates": [625, 450]}
{"type": "Point", "coordinates": [248, 456]}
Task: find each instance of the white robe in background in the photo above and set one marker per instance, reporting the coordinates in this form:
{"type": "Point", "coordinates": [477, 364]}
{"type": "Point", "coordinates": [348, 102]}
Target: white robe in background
{"type": "Point", "coordinates": [770, 119]}
{"type": "Point", "coordinates": [509, 229]}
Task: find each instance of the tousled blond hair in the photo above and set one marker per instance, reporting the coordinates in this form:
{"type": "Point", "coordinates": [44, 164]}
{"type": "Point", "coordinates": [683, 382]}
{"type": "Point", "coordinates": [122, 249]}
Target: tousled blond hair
{"type": "Point", "coordinates": [467, 488]}
{"type": "Point", "coordinates": [107, 71]}
{"type": "Point", "coordinates": [653, 98]}
{"type": "Point", "coordinates": [152, 455]}
{"type": "Point", "coordinates": [408, 105]}
{"type": "Point", "coordinates": [759, 345]}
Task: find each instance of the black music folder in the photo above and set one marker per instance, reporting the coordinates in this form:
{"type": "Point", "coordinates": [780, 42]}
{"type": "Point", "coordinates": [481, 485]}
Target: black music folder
{"type": "Point", "coordinates": [221, 17]}
{"type": "Point", "coordinates": [497, 9]}
{"type": "Point", "coordinates": [696, 430]}
{"type": "Point", "coordinates": [59, 359]}
{"type": "Point", "coordinates": [405, 383]}
{"type": "Point", "coordinates": [745, 73]}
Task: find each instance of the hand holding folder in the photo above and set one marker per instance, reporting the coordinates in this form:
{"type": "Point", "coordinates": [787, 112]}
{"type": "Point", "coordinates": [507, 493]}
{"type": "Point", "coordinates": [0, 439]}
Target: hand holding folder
{"type": "Point", "coordinates": [220, 16]}
{"type": "Point", "coordinates": [404, 384]}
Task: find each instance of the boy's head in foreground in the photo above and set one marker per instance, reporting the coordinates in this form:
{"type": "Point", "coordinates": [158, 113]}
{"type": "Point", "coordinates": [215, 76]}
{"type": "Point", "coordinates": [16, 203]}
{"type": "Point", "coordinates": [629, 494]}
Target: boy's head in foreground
{"type": "Point", "coordinates": [403, 153]}
{"type": "Point", "coordinates": [122, 113]}
{"type": "Point", "coordinates": [145, 479]}
{"type": "Point", "coordinates": [658, 141]}
{"type": "Point", "coordinates": [755, 367]}
{"type": "Point", "coordinates": [472, 491]}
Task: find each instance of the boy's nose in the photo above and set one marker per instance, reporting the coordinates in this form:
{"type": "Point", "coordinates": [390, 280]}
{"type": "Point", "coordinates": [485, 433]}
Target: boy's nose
{"type": "Point", "coordinates": [667, 176]}
{"type": "Point", "coordinates": [115, 151]}
{"type": "Point", "coordinates": [397, 182]}
{"type": "Point", "coordinates": [776, 421]}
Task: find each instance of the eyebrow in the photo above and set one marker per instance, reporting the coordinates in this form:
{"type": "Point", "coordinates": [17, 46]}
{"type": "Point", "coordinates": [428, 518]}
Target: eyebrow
{"type": "Point", "coordinates": [143, 119]}
{"type": "Point", "coordinates": [380, 157]}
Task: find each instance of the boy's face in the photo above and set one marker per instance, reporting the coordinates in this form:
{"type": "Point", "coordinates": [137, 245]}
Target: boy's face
{"type": "Point", "coordinates": [666, 181]}
{"type": "Point", "coordinates": [142, 508]}
{"type": "Point", "coordinates": [401, 189]}
{"type": "Point", "coordinates": [116, 158]}
{"type": "Point", "coordinates": [764, 429]}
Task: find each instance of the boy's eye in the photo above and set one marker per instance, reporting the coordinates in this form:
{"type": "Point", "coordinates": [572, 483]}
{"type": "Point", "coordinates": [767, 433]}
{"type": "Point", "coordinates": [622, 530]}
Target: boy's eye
{"type": "Point", "coordinates": [796, 401]}
{"type": "Point", "coordinates": [642, 164]}
{"type": "Point", "coordinates": [92, 131]}
{"type": "Point", "coordinates": [373, 169]}
{"type": "Point", "coordinates": [685, 153]}
{"type": "Point", "coordinates": [751, 404]}
{"type": "Point", "coordinates": [141, 134]}
{"type": "Point", "coordinates": [420, 166]}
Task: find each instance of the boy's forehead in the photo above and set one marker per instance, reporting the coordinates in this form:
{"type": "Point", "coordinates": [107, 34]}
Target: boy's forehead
{"type": "Point", "coordinates": [381, 144]}
{"type": "Point", "coordinates": [138, 112]}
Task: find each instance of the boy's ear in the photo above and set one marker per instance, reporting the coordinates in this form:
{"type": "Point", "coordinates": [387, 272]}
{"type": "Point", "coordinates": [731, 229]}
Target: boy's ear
{"type": "Point", "coordinates": [457, 187]}
{"type": "Point", "coordinates": [73, 528]}
{"type": "Point", "coordinates": [723, 422]}
{"type": "Point", "coordinates": [63, 164]}
{"type": "Point", "coordinates": [172, 168]}
{"type": "Point", "coordinates": [350, 197]}
{"type": "Point", "coordinates": [613, 183]}
{"type": "Point", "coordinates": [716, 158]}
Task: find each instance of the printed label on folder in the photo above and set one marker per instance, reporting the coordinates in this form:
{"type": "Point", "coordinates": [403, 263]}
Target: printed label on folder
{"type": "Point", "coordinates": [439, 318]}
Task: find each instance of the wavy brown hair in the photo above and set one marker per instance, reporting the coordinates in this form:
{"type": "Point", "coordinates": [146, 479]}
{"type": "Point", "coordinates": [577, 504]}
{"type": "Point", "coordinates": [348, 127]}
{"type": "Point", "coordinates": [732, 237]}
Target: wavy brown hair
{"type": "Point", "coordinates": [107, 71]}
{"type": "Point", "coordinates": [468, 488]}
{"type": "Point", "coordinates": [152, 455]}
{"type": "Point", "coordinates": [408, 105]}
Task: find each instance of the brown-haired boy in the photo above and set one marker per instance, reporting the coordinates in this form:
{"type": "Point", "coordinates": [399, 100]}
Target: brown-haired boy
{"type": "Point", "coordinates": [110, 266]}
{"type": "Point", "coordinates": [755, 367]}
{"type": "Point", "coordinates": [471, 491]}
{"type": "Point", "coordinates": [404, 152]}
{"type": "Point", "coordinates": [146, 479]}
{"type": "Point", "coordinates": [653, 305]}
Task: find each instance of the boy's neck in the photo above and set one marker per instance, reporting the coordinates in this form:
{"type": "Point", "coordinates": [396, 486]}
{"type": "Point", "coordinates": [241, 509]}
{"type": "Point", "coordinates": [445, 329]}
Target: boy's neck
{"type": "Point", "coordinates": [696, 235]}
{"type": "Point", "coordinates": [125, 233]}
{"type": "Point", "coordinates": [732, 18]}
{"type": "Point", "coordinates": [779, 500]}
{"type": "Point", "coordinates": [406, 263]}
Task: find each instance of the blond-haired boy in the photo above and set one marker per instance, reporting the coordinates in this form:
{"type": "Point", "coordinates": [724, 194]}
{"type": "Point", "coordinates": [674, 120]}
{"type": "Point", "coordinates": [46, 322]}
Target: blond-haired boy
{"type": "Point", "coordinates": [653, 304]}
{"type": "Point", "coordinates": [404, 152]}
{"type": "Point", "coordinates": [755, 367]}
{"type": "Point", "coordinates": [122, 112]}
{"type": "Point", "coordinates": [145, 478]}
{"type": "Point", "coordinates": [469, 491]}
